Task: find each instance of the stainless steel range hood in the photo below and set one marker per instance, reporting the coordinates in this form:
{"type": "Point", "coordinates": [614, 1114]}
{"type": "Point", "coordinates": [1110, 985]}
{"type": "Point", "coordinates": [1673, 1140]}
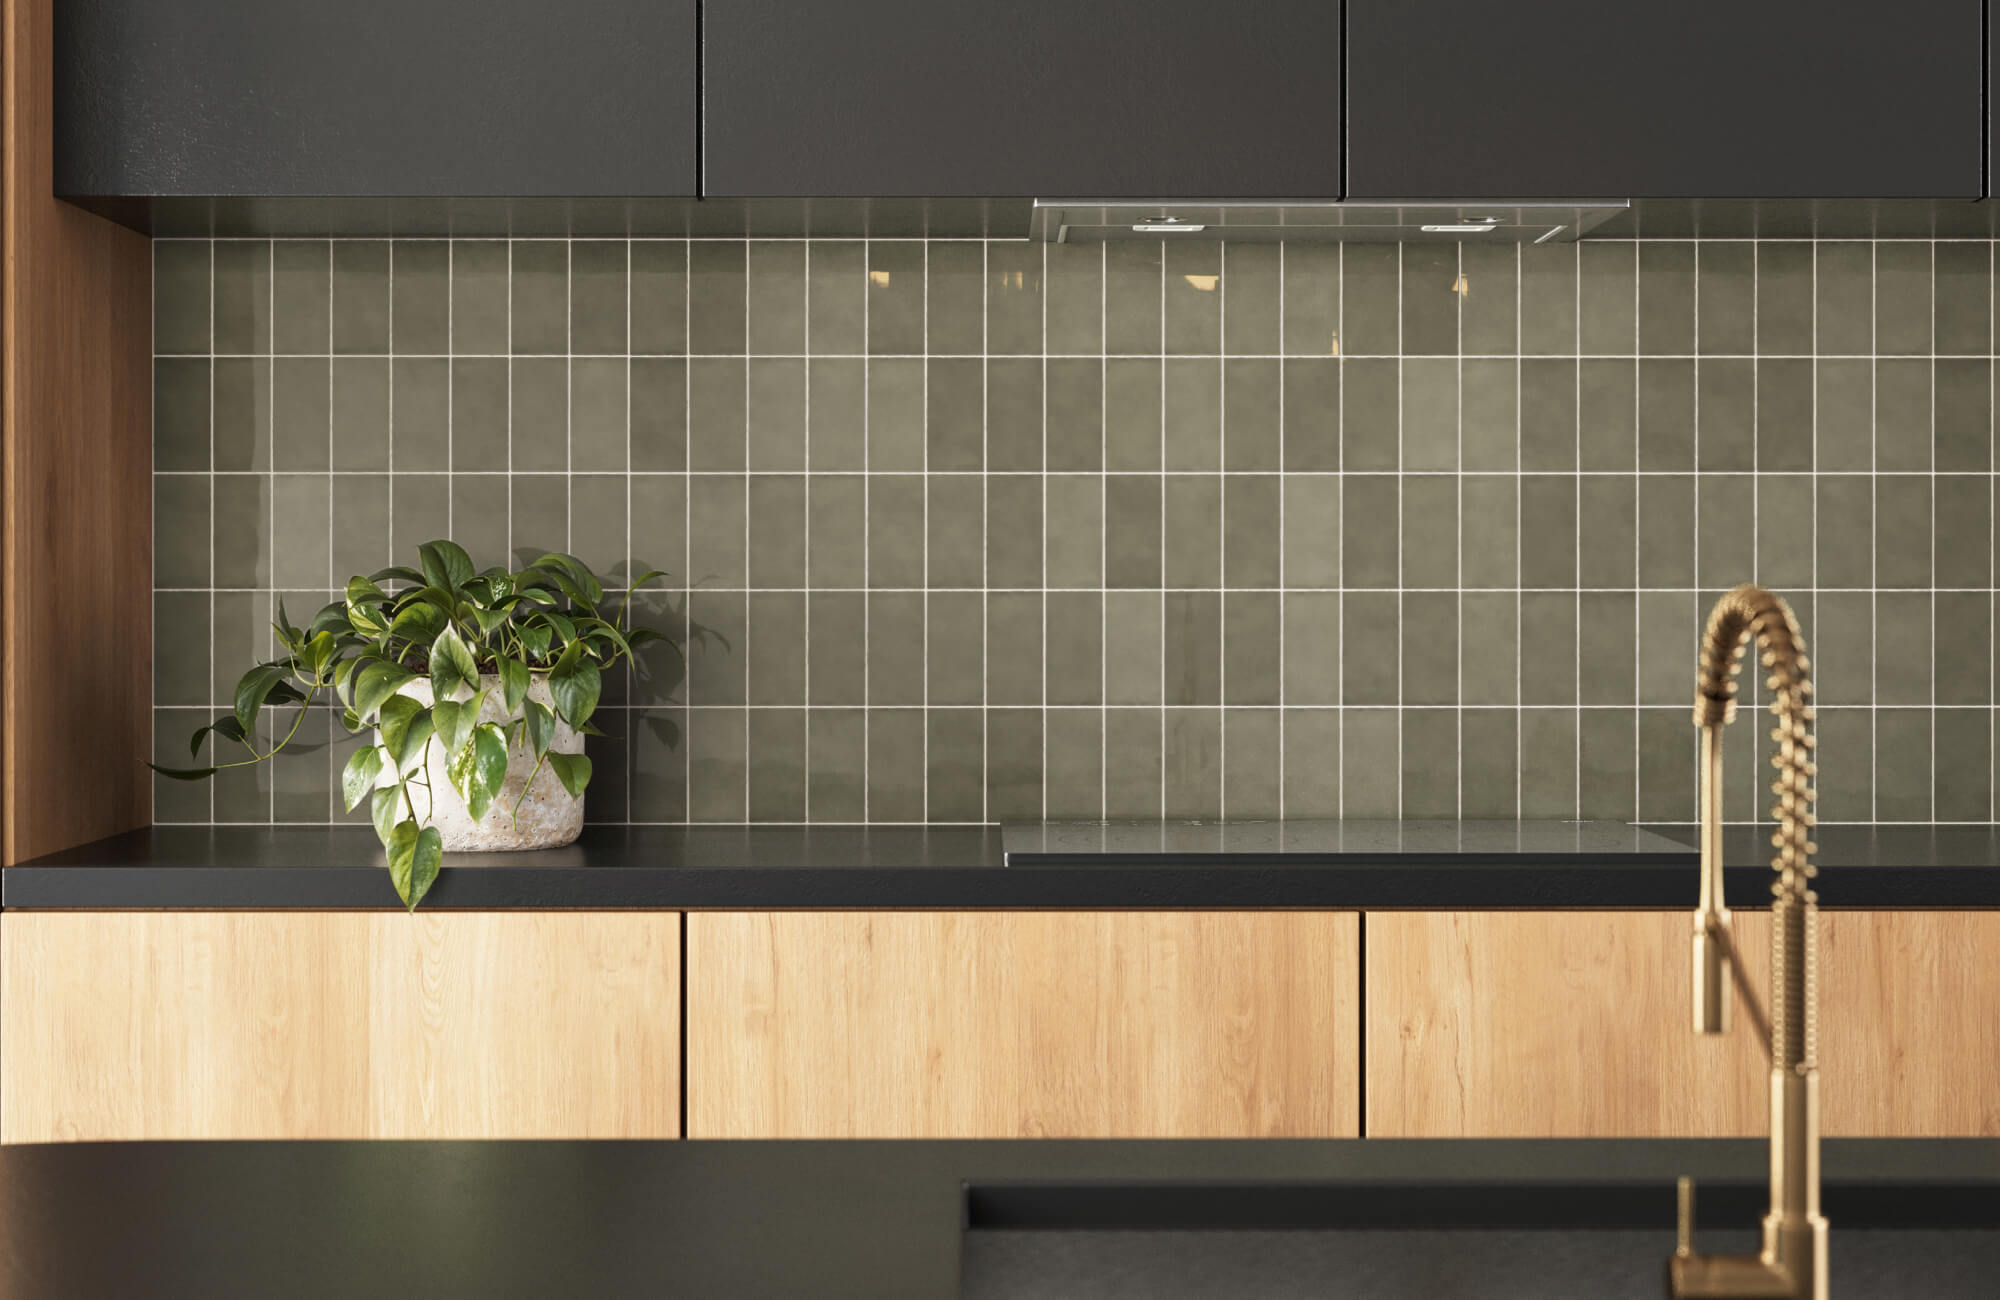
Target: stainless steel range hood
{"type": "Point", "coordinates": [1087, 221]}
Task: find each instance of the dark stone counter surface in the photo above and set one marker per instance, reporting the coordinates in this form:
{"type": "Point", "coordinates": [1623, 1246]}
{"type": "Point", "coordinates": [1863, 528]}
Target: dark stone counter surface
{"type": "Point", "coordinates": [1301, 864]}
{"type": "Point", "coordinates": [886, 1220]}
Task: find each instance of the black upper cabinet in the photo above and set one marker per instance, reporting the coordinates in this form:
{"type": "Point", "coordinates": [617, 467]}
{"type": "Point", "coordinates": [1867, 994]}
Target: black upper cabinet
{"type": "Point", "coordinates": [519, 98]}
{"type": "Point", "coordinates": [1691, 99]}
{"type": "Point", "coordinates": [1031, 98]}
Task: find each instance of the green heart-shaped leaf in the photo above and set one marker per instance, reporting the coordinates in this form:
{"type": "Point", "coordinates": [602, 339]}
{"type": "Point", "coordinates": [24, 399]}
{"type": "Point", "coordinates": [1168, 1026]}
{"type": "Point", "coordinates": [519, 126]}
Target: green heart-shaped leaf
{"type": "Point", "coordinates": [452, 666]}
{"type": "Point", "coordinates": [541, 727]}
{"type": "Point", "coordinates": [402, 853]}
{"type": "Point", "coordinates": [514, 681]}
{"type": "Point", "coordinates": [575, 684]}
{"type": "Point", "coordinates": [376, 683]}
{"type": "Point", "coordinates": [251, 691]}
{"type": "Point", "coordinates": [573, 770]}
{"type": "Point", "coordinates": [358, 778]}
{"type": "Point", "coordinates": [386, 807]}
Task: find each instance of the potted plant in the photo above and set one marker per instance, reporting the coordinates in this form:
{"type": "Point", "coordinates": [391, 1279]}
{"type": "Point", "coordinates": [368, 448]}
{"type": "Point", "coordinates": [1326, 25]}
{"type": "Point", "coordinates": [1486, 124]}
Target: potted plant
{"type": "Point", "coordinates": [475, 689]}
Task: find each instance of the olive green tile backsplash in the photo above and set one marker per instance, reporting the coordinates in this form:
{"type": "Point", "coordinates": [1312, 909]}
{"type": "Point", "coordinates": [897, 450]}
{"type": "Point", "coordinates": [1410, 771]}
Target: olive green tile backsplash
{"type": "Point", "coordinates": [1005, 530]}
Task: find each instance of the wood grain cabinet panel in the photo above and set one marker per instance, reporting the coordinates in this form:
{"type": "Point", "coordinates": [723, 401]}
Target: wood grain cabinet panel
{"type": "Point", "coordinates": [1038, 1024]}
{"type": "Point", "coordinates": [1576, 1024]}
{"type": "Point", "coordinates": [338, 1025]}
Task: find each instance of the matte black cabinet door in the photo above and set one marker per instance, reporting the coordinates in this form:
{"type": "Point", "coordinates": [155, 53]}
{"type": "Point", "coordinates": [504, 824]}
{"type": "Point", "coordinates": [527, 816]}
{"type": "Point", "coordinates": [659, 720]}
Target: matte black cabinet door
{"type": "Point", "coordinates": [1048, 98]}
{"type": "Point", "coordinates": [1689, 99]}
{"type": "Point", "coordinates": [515, 98]}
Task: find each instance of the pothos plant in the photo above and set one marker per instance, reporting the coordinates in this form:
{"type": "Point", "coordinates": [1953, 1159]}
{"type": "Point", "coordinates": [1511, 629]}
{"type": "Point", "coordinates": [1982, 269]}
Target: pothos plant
{"type": "Point", "coordinates": [452, 624]}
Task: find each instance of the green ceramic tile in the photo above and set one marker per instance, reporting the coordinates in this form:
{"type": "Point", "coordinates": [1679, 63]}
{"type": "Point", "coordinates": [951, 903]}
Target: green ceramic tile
{"type": "Point", "coordinates": [1132, 647]}
{"type": "Point", "coordinates": [1726, 414]}
{"type": "Point", "coordinates": [1846, 554]}
{"type": "Point", "coordinates": [1192, 771]}
{"type": "Point", "coordinates": [1607, 522]}
{"type": "Point", "coordinates": [1193, 403]}
{"type": "Point", "coordinates": [838, 408]}
{"type": "Point", "coordinates": [955, 766]}
{"type": "Point", "coordinates": [479, 414]}
{"type": "Point", "coordinates": [1073, 398]}
{"type": "Point", "coordinates": [1964, 660]}
{"type": "Point", "coordinates": [1843, 649]}
{"type": "Point", "coordinates": [478, 295]}
{"type": "Point", "coordinates": [837, 761]}
{"type": "Point", "coordinates": [1608, 298]}
{"type": "Point", "coordinates": [1013, 414]}
{"type": "Point", "coordinates": [1963, 414]}
{"type": "Point", "coordinates": [1548, 647]}
{"type": "Point", "coordinates": [1251, 292]}
{"type": "Point", "coordinates": [717, 297]}
{"type": "Point", "coordinates": [896, 546]}
{"type": "Point", "coordinates": [895, 648]}
{"type": "Point", "coordinates": [301, 283]}
{"type": "Point", "coordinates": [1903, 300]}
{"type": "Point", "coordinates": [1490, 521]}
{"type": "Point", "coordinates": [1133, 414]}
{"type": "Point", "coordinates": [715, 530]}
{"type": "Point", "coordinates": [1132, 763]}
{"type": "Point", "coordinates": [1488, 778]}
{"type": "Point", "coordinates": [659, 293]}
{"type": "Point", "coordinates": [1785, 297]}
{"type": "Point", "coordinates": [956, 419]}
{"type": "Point", "coordinates": [1251, 632]}
{"type": "Point", "coordinates": [777, 763]}
{"type": "Point", "coordinates": [181, 414]}
{"type": "Point", "coordinates": [957, 288]}
{"type": "Point", "coordinates": [181, 291]}
{"type": "Point", "coordinates": [420, 415]}
{"type": "Point", "coordinates": [1074, 524]}
{"type": "Point", "coordinates": [1605, 623]}
{"type": "Point", "coordinates": [1489, 414]}
{"type": "Point", "coordinates": [301, 533]}
{"type": "Point", "coordinates": [1666, 530]}
{"type": "Point", "coordinates": [838, 531]}
{"type": "Point", "coordinates": [776, 413]}
{"type": "Point", "coordinates": [1430, 299]}
{"type": "Point", "coordinates": [1312, 646]}
{"type": "Point", "coordinates": [1666, 298]}
{"type": "Point", "coordinates": [1430, 414]}
{"type": "Point", "coordinates": [1608, 764]}
{"type": "Point", "coordinates": [1903, 542]}
{"type": "Point", "coordinates": [1132, 536]}
{"type": "Point", "coordinates": [1844, 293]}
{"type": "Point", "coordinates": [1963, 307]}
{"type": "Point", "coordinates": [1074, 648]}
{"type": "Point", "coordinates": [241, 413]}
{"type": "Point", "coordinates": [181, 650]}
{"type": "Point", "coordinates": [597, 412]}
{"type": "Point", "coordinates": [1370, 417]}
{"type": "Point", "coordinates": [1370, 650]}
{"type": "Point", "coordinates": [420, 296]}
{"type": "Point", "coordinates": [1903, 623]}
{"type": "Point", "coordinates": [360, 413]}
{"type": "Point", "coordinates": [1371, 300]}
{"type": "Point", "coordinates": [777, 546]}
{"type": "Point", "coordinates": [361, 526]}
{"type": "Point", "coordinates": [1726, 524]}
{"type": "Point", "coordinates": [1191, 298]}
{"type": "Point", "coordinates": [1548, 530]}
{"type": "Point", "coordinates": [1963, 505]}
{"type": "Point", "coordinates": [896, 297]}
{"type": "Point", "coordinates": [1784, 415]}
{"type": "Point", "coordinates": [659, 524]}
{"type": "Point", "coordinates": [1725, 298]}
{"type": "Point", "coordinates": [1251, 535]}
{"type": "Point", "coordinates": [1430, 522]}
{"type": "Point", "coordinates": [837, 293]}
{"type": "Point", "coordinates": [1312, 762]}
{"type": "Point", "coordinates": [1014, 532]}
{"type": "Point", "coordinates": [1666, 765]}
{"type": "Point", "coordinates": [1963, 781]}
{"type": "Point", "coordinates": [1013, 298]}
{"type": "Point", "coordinates": [1312, 414]}
{"type": "Point", "coordinates": [1669, 638]}
{"type": "Point", "coordinates": [1193, 531]}
{"type": "Point", "coordinates": [1191, 631]}
{"type": "Point", "coordinates": [1784, 530]}
{"type": "Point", "coordinates": [1075, 299]}
{"type": "Point", "coordinates": [1371, 763]}
{"type": "Point", "coordinates": [1903, 749]}
{"type": "Point", "coordinates": [1548, 763]}
{"type": "Point", "coordinates": [1430, 647]}
{"type": "Point", "coordinates": [538, 417]}
{"type": "Point", "coordinates": [180, 531]}
{"type": "Point", "coordinates": [242, 296]}
{"type": "Point", "coordinates": [241, 531]}
{"type": "Point", "coordinates": [658, 781]}
{"type": "Point", "coordinates": [1666, 414]}
{"type": "Point", "coordinates": [1311, 517]}
{"type": "Point", "coordinates": [1489, 627]}
{"type": "Point", "coordinates": [1548, 300]}
{"type": "Point", "coordinates": [1846, 756]}
{"type": "Point", "coordinates": [598, 297]}
{"type": "Point", "coordinates": [954, 647]}
{"type": "Point", "coordinates": [895, 765]}
{"type": "Point", "coordinates": [1846, 415]}
{"type": "Point", "coordinates": [717, 413]}
{"type": "Point", "coordinates": [1548, 415]}
{"type": "Point", "coordinates": [957, 522]}
{"type": "Point", "coordinates": [361, 295]}
{"type": "Point", "coordinates": [1489, 308]}
{"type": "Point", "coordinates": [538, 518]}
{"type": "Point", "coordinates": [836, 668]}
{"type": "Point", "coordinates": [1903, 414]}
{"type": "Point", "coordinates": [776, 307]}
{"type": "Point", "coordinates": [1311, 299]}
{"type": "Point", "coordinates": [1252, 435]}
{"type": "Point", "coordinates": [1607, 415]}
{"type": "Point", "coordinates": [1370, 520]}
{"type": "Point", "coordinates": [1252, 781]}
{"type": "Point", "coordinates": [597, 523]}
{"type": "Point", "coordinates": [1430, 747]}
{"type": "Point", "coordinates": [717, 764]}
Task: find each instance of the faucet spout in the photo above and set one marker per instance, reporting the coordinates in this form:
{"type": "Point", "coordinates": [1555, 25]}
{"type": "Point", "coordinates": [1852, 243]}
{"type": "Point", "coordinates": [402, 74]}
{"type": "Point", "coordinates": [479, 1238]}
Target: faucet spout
{"type": "Point", "coordinates": [1792, 1263]}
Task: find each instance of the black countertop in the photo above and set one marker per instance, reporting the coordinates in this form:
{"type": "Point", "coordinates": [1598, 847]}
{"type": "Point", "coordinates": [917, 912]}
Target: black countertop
{"type": "Point", "coordinates": [830, 1219]}
{"type": "Point", "coordinates": [1413, 864]}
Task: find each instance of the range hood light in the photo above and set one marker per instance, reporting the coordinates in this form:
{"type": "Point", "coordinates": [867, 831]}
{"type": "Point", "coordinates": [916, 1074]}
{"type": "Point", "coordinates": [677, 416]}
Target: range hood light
{"type": "Point", "coordinates": [1462, 228]}
{"type": "Point", "coordinates": [1166, 225]}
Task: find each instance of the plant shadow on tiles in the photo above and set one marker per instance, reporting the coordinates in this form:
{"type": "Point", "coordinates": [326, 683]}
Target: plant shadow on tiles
{"type": "Point", "coordinates": [476, 688]}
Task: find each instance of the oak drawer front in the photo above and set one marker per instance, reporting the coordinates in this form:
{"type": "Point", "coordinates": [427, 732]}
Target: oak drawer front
{"type": "Point", "coordinates": [131, 1025]}
{"type": "Point", "coordinates": [1022, 1024]}
{"type": "Point", "coordinates": [1577, 1024]}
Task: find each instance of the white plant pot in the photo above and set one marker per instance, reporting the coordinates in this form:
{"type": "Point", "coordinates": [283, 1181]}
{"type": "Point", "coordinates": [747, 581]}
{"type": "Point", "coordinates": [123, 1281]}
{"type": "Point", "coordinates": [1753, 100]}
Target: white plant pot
{"type": "Point", "coordinates": [548, 818]}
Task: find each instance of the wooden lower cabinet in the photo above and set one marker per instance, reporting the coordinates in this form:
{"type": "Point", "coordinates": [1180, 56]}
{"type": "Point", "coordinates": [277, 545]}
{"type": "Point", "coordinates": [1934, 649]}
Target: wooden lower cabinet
{"type": "Point", "coordinates": [1022, 1024]}
{"type": "Point", "coordinates": [126, 1025]}
{"type": "Point", "coordinates": [1577, 1024]}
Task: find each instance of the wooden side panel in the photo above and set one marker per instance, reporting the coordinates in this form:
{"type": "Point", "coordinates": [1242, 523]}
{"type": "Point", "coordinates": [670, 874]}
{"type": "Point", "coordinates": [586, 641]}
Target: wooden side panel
{"type": "Point", "coordinates": [76, 497]}
{"type": "Point", "coordinates": [1038, 1024]}
{"type": "Point", "coordinates": [1576, 1024]}
{"type": "Point", "coordinates": [338, 1025]}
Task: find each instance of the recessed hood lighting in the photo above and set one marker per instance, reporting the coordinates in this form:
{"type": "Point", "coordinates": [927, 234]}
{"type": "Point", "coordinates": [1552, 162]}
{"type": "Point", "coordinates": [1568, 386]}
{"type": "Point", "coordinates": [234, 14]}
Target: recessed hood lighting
{"type": "Point", "coordinates": [1166, 225]}
{"type": "Point", "coordinates": [1462, 228]}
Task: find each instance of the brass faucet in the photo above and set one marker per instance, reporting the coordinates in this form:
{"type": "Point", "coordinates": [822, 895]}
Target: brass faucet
{"type": "Point", "coordinates": [1792, 1263]}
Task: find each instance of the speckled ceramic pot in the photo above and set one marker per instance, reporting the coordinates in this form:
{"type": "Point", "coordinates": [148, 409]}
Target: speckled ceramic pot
{"type": "Point", "coordinates": [548, 818]}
